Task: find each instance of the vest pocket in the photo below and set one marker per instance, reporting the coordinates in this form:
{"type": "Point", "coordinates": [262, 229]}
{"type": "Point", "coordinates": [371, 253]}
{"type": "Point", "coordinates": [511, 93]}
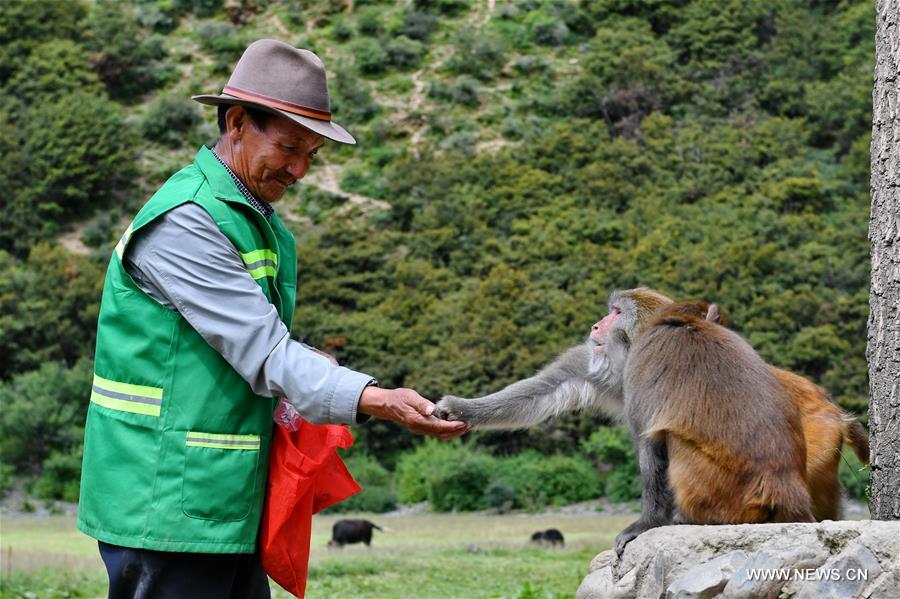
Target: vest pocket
{"type": "Point", "coordinates": [220, 472]}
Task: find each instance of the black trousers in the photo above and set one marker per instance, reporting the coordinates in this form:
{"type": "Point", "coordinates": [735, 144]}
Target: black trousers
{"type": "Point", "coordinates": [146, 574]}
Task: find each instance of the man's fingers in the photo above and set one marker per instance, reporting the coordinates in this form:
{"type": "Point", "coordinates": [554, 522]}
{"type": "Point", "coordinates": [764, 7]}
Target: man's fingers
{"type": "Point", "coordinates": [422, 406]}
{"type": "Point", "coordinates": [437, 428]}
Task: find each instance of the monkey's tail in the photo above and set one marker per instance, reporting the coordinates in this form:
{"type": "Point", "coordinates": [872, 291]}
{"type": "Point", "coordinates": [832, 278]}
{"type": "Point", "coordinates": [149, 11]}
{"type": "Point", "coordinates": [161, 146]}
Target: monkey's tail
{"type": "Point", "coordinates": [856, 437]}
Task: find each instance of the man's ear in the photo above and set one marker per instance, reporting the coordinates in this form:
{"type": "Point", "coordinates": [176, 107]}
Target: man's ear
{"type": "Point", "coordinates": [236, 121]}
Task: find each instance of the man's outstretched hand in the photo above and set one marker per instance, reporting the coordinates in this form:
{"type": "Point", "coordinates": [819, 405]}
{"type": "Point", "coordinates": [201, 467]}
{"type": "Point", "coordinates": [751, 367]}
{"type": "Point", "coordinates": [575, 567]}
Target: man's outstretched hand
{"type": "Point", "coordinates": [409, 409]}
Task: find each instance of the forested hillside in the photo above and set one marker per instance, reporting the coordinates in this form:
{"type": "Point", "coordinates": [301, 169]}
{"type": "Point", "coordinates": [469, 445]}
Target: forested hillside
{"type": "Point", "coordinates": [516, 162]}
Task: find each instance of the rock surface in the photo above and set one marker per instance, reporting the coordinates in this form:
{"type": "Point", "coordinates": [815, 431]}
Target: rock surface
{"type": "Point", "coordinates": [845, 559]}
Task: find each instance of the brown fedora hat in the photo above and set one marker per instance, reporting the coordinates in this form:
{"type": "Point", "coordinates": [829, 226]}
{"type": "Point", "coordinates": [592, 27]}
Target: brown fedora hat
{"type": "Point", "coordinates": [279, 78]}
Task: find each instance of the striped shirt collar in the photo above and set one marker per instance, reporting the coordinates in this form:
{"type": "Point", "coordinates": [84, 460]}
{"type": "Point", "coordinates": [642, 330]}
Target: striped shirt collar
{"type": "Point", "coordinates": [262, 207]}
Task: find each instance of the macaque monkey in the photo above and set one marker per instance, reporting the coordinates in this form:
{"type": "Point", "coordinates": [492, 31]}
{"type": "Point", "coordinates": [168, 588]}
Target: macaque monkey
{"type": "Point", "coordinates": [590, 376]}
{"type": "Point", "coordinates": [826, 427]}
{"type": "Point", "coordinates": [719, 439]}
{"type": "Point", "coordinates": [584, 376]}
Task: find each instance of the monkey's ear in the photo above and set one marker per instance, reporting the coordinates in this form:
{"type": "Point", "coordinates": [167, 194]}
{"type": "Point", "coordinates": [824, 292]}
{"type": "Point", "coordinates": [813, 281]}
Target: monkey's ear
{"type": "Point", "coordinates": [713, 315]}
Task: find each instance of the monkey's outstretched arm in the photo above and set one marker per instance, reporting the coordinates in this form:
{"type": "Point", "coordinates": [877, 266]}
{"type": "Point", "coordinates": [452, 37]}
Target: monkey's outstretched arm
{"type": "Point", "coordinates": [657, 502]}
{"type": "Point", "coordinates": [561, 386]}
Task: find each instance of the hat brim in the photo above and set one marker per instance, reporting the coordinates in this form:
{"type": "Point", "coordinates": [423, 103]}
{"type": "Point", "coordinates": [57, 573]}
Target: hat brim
{"type": "Point", "coordinates": [328, 129]}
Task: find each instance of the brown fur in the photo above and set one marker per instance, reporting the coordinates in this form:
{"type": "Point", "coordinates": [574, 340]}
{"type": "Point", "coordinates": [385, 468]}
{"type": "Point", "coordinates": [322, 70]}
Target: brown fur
{"type": "Point", "coordinates": [735, 444]}
{"type": "Point", "coordinates": [826, 427]}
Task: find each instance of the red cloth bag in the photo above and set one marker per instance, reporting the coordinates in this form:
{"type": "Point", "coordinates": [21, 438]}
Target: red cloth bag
{"type": "Point", "coordinates": [306, 475]}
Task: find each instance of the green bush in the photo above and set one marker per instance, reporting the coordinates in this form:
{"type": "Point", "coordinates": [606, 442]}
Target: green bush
{"type": "Point", "coordinates": [461, 485]}
{"type": "Point", "coordinates": [161, 16]}
{"type": "Point", "coordinates": [462, 142]}
{"type": "Point", "coordinates": [500, 495]}
{"type": "Point", "coordinates": [318, 204]}
{"type": "Point", "coordinates": [370, 499]}
{"type": "Point", "coordinates": [614, 453]}
{"type": "Point", "coordinates": [377, 493]}
{"type": "Point", "coordinates": [127, 60]}
{"type": "Point", "coordinates": [622, 484]}
{"type": "Point", "coordinates": [478, 55]}
{"type": "Point", "coordinates": [58, 161]}
{"type": "Point", "coordinates": [6, 478]}
{"type": "Point", "coordinates": [77, 159]}
{"type": "Point", "coordinates": [42, 422]}
{"type": "Point", "coordinates": [98, 230]}
{"type": "Point", "coordinates": [567, 479]}
{"type": "Point", "coordinates": [60, 477]}
{"type": "Point", "coordinates": [530, 65]}
{"type": "Point", "coordinates": [612, 449]}
{"type": "Point", "coordinates": [445, 7]}
{"type": "Point", "coordinates": [438, 90]}
{"type": "Point", "coordinates": [351, 99]}
{"type": "Point", "coordinates": [201, 8]}
{"type": "Point", "coordinates": [539, 480]}
{"type": "Point", "coordinates": [369, 21]}
{"type": "Point", "coordinates": [414, 468]}
{"type": "Point", "coordinates": [404, 53]}
{"type": "Point", "coordinates": [341, 29]}
{"type": "Point", "coordinates": [363, 180]}
{"type": "Point", "coordinates": [48, 309]}
{"type": "Point", "coordinates": [25, 24]}
{"type": "Point", "coordinates": [610, 445]}
{"type": "Point", "coordinates": [171, 120]}
{"type": "Point", "coordinates": [367, 470]}
{"type": "Point", "coordinates": [418, 25]}
{"type": "Point", "coordinates": [54, 69]}
{"type": "Point", "coordinates": [458, 478]}
{"type": "Point", "coordinates": [20, 223]}
{"type": "Point", "coordinates": [465, 90]}
{"type": "Point", "coordinates": [371, 57]}
{"type": "Point", "coordinates": [549, 31]}
{"type": "Point", "coordinates": [224, 41]}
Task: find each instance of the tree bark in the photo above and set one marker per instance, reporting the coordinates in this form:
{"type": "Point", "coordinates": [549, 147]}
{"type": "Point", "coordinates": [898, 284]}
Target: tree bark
{"type": "Point", "coordinates": [883, 352]}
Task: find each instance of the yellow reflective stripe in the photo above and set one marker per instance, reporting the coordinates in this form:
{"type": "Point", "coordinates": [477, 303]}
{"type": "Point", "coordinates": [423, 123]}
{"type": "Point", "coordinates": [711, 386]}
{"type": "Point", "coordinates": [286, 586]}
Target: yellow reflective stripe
{"type": "Point", "coordinates": [260, 263]}
{"type": "Point", "coordinates": [123, 241]}
{"type": "Point", "coordinates": [218, 441]}
{"type": "Point", "coordinates": [259, 255]}
{"type": "Point", "coordinates": [124, 397]}
{"type": "Point", "coordinates": [139, 390]}
{"type": "Point", "coordinates": [124, 406]}
{"type": "Point", "coordinates": [262, 271]}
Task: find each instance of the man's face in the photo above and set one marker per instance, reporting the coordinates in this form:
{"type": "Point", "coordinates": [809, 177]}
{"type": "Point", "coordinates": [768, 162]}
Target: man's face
{"type": "Point", "coordinates": [273, 159]}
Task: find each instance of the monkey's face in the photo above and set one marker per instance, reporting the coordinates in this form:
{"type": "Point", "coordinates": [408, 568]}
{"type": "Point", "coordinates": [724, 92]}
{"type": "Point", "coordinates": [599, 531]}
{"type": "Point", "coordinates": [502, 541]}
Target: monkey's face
{"type": "Point", "coordinates": [600, 331]}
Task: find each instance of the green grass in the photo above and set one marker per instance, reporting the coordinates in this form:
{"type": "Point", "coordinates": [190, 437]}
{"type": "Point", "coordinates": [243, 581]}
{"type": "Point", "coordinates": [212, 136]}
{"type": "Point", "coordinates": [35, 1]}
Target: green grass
{"type": "Point", "coordinates": [424, 555]}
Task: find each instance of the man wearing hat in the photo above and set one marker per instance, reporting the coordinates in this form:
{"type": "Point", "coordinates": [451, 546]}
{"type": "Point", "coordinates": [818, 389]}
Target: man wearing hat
{"type": "Point", "coordinates": [194, 351]}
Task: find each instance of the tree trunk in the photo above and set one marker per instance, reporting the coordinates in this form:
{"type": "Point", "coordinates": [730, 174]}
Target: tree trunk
{"type": "Point", "coordinates": [883, 351]}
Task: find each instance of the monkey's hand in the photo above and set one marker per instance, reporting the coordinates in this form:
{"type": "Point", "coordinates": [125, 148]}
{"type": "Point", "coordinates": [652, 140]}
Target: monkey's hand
{"type": "Point", "coordinates": [631, 533]}
{"type": "Point", "coordinates": [451, 407]}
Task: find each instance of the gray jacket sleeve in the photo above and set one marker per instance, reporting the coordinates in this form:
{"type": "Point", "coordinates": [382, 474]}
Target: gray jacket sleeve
{"type": "Point", "coordinates": [186, 263]}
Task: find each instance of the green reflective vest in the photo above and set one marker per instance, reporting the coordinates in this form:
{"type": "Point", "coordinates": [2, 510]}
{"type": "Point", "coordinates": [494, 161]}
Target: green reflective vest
{"type": "Point", "coordinates": [176, 443]}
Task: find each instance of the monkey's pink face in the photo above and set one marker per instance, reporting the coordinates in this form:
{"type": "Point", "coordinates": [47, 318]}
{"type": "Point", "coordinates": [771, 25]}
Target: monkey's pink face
{"type": "Point", "coordinates": [600, 331]}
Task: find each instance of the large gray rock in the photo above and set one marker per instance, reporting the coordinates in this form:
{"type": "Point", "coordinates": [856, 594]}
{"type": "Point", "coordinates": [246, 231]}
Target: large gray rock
{"type": "Point", "coordinates": [846, 559]}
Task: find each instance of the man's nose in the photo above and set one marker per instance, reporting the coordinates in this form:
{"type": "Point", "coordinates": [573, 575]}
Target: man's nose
{"type": "Point", "coordinates": [297, 168]}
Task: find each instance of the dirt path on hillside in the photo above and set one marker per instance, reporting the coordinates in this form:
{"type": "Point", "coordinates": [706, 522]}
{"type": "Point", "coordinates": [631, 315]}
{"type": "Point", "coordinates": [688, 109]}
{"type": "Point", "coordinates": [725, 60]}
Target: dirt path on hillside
{"type": "Point", "coordinates": [327, 176]}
